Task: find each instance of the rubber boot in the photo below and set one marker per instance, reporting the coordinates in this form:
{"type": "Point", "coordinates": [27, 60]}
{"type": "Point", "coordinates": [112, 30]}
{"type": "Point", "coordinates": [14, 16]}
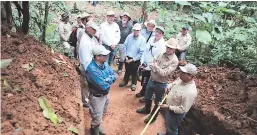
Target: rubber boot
{"type": "Point", "coordinates": [146, 109]}
{"type": "Point", "coordinates": [95, 130]}
{"type": "Point", "coordinates": [152, 113]}
{"type": "Point", "coordinates": [101, 130]}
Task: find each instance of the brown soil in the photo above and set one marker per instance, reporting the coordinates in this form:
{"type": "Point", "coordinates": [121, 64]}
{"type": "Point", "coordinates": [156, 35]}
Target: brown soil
{"type": "Point", "coordinates": [21, 113]}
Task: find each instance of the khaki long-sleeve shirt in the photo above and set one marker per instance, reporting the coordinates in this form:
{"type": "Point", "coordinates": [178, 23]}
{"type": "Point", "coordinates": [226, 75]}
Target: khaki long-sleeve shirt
{"type": "Point", "coordinates": [183, 41]}
{"type": "Point", "coordinates": [162, 66]}
{"type": "Point", "coordinates": [65, 30]}
{"type": "Point", "coordinates": [181, 96]}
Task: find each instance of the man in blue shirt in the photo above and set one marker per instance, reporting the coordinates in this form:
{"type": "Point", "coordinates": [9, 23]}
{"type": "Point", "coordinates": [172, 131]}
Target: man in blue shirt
{"type": "Point", "coordinates": [99, 76]}
{"type": "Point", "coordinates": [134, 48]}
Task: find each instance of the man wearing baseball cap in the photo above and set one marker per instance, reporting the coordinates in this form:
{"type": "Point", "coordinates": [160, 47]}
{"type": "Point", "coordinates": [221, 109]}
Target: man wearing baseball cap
{"type": "Point", "coordinates": [125, 30]}
{"type": "Point", "coordinates": [184, 40]}
{"type": "Point", "coordinates": [85, 48]}
{"type": "Point", "coordinates": [134, 48]}
{"type": "Point", "coordinates": [65, 29]}
{"type": "Point", "coordinates": [154, 47]}
{"type": "Point", "coordinates": [99, 76]}
{"type": "Point", "coordinates": [110, 35]}
{"type": "Point", "coordinates": [182, 94]}
{"type": "Point", "coordinates": [161, 67]}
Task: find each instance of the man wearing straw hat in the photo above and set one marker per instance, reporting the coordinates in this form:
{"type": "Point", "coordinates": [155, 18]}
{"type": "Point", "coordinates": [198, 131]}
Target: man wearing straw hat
{"type": "Point", "coordinates": [154, 47]}
{"type": "Point", "coordinates": [125, 30]}
{"type": "Point", "coordinates": [181, 96]}
{"type": "Point", "coordinates": [65, 29]}
{"type": "Point", "coordinates": [148, 32]}
{"type": "Point", "coordinates": [161, 68]}
{"type": "Point", "coordinates": [110, 35]}
{"type": "Point", "coordinates": [134, 47]}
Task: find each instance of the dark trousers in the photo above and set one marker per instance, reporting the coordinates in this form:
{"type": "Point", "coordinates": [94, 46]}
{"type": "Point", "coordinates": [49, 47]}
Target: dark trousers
{"type": "Point", "coordinates": [145, 78]}
{"type": "Point", "coordinates": [110, 56]}
{"type": "Point", "coordinates": [172, 121]}
{"type": "Point", "coordinates": [181, 55]}
{"type": "Point", "coordinates": [131, 70]}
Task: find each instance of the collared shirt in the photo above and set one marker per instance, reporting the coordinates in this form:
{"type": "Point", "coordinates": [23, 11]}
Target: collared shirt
{"type": "Point", "coordinates": [110, 33]}
{"type": "Point", "coordinates": [162, 67]}
{"type": "Point", "coordinates": [85, 49]}
{"type": "Point", "coordinates": [181, 96]}
{"type": "Point", "coordinates": [65, 29]}
{"type": "Point", "coordinates": [124, 31]}
{"type": "Point", "coordinates": [134, 47]}
{"type": "Point", "coordinates": [184, 41]}
{"type": "Point", "coordinates": [145, 33]}
{"type": "Point", "coordinates": [100, 78]}
{"type": "Point", "coordinates": [151, 50]}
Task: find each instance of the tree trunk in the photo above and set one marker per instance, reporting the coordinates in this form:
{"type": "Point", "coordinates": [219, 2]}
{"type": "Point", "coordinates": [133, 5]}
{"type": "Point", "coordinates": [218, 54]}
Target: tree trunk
{"type": "Point", "coordinates": [144, 14]}
{"type": "Point", "coordinates": [25, 23]}
{"type": "Point", "coordinates": [8, 13]}
{"type": "Point", "coordinates": [45, 21]}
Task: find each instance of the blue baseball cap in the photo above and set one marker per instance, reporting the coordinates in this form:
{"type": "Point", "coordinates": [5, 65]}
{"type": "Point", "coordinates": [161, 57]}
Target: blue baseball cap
{"type": "Point", "coordinates": [185, 28]}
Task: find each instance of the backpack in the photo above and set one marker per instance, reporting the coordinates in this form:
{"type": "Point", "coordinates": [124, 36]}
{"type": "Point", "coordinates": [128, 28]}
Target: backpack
{"type": "Point", "coordinates": [73, 36]}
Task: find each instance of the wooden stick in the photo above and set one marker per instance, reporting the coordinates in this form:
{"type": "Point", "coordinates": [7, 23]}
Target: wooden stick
{"type": "Point", "coordinates": [147, 125]}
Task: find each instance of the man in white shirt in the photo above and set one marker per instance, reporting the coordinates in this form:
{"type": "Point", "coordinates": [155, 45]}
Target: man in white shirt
{"type": "Point", "coordinates": [184, 40]}
{"type": "Point", "coordinates": [87, 43]}
{"type": "Point", "coordinates": [110, 35]}
{"type": "Point", "coordinates": [182, 95]}
{"type": "Point", "coordinates": [65, 29]}
{"type": "Point", "coordinates": [155, 46]}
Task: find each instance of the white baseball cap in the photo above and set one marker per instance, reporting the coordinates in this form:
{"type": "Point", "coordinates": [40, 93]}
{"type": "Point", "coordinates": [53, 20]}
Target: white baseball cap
{"type": "Point", "coordinates": [110, 13]}
{"type": "Point", "coordinates": [137, 26]}
{"type": "Point", "coordinates": [92, 25]}
{"type": "Point", "coordinates": [100, 50]}
{"type": "Point", "coordinates": [189, 68]}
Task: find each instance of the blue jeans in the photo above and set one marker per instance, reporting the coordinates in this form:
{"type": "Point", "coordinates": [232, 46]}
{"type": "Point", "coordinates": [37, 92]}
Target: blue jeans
{"type": "Point", "coordinates": [172, 121]}
{"type": "Point", "coordinates": [111, 55]}
{"type": "Point", "coordinates": [155, 88]}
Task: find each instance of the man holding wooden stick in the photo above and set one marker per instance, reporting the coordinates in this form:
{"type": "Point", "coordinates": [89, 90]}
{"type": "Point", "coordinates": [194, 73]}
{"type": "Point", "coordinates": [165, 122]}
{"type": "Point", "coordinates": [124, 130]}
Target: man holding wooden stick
{"type": "Point", "coordinates": [181, 96]}
{"type": "Point", "coordinates": [161, 67]}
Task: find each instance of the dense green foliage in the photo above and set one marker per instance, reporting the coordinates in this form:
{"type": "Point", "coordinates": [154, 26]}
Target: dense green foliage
{"type": "Point", "coordinates": [223, 32]}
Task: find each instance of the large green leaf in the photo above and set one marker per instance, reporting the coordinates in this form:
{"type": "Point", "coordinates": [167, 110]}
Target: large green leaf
{"type": "Point", "coordinates": [203, 36]}
{"type": "Point", "coordinates": [5, 62]}
{"type": "Point", "coordinates": [208, 16]}
{"type": "Point", "coordinates": [183, 3]}
{"type": "Point", "coordinates": [199, 17]}
{"type": "Point", "coordinates": [222, 4]}
{"type": "Point", "coordinates": [50, 29]}
{"type": "Point", "coordinates": [241, 37]}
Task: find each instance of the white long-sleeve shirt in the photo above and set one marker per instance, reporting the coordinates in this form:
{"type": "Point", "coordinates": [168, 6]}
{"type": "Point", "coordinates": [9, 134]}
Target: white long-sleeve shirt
{"type": "Point", "coordinates": [65, 30]}
{"type": "Point", "coordinates": [156, 48]}
{"type": "Point", "coordinates": [181, 96]}
{"type": "Point", "coordinates": [110, 33]}
{"type": "Point", "coordinates": [85, 49]}
{"type": "Point", "coordinates": [183, 41]}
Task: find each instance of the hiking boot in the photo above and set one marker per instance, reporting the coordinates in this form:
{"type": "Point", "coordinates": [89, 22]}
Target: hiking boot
{"type": "Point", "coordinates": [139, 78]}
{"type": "Point", "coordinates": [133, 87]}
{"type": "Point", "coordinates": [86, 103]}
{"type": "Point", "coordinates": [142, 100]}
{"type": "Point", "coordinates": [123, 84]}
{"type": "Point", "coordinates": [161, 133]}
{"type": "Point", "coordinates": [101, 130]}
{"type": "Point", "coordinates": [140, 94]}
{"type": "Point", "coordinates": [148, 119]}
{"type": "Point", "coordinates": [94, 130]}
{"type": "Point", "coordinates": [152, 113]}
{"type": "Point", "coordinates": [146, 109]}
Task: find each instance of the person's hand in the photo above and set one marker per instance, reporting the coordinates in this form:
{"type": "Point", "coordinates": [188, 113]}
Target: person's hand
{"type": "Point", "coordinates": [112, 47]}
{"type": "Point", "coordinates": [164, 106]}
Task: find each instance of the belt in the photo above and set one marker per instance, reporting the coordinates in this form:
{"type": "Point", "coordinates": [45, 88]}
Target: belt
{"type": "Point", "coordinates": [158, 82]}
{"type": "Point", "coordinates": [98, 95]}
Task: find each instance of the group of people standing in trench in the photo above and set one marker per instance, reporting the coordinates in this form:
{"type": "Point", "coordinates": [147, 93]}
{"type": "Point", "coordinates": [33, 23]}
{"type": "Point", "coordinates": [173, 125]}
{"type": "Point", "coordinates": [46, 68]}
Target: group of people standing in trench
{"type": "Point", "coordinates": [143, 51]}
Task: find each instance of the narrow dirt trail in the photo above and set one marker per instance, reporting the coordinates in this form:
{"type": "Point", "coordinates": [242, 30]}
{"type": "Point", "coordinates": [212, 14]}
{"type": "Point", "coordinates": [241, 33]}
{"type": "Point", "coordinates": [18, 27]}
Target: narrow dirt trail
{"type": "Point", "coordinates": [122, 118]}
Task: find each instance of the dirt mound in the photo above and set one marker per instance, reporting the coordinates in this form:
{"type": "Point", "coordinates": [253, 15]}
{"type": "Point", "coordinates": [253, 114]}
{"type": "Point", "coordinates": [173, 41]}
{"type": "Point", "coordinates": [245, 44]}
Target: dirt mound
{"type": "Point", "coordinates": [34, 72]}
{"type": "Point", "coordinates": [226, 103]}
